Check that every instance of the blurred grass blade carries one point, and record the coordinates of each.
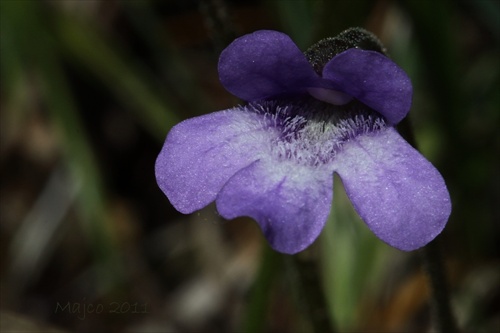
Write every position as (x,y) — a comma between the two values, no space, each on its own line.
(488,12)
(37,49)
(258,305)
(173,67)
(14,85)
(434,31)
(117,71)
(351,256)
(297,19)
(36,238)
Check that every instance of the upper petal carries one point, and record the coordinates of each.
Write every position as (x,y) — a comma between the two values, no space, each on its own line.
(398,193)
(290,202)
(202,153)
(373,79)
(264,64)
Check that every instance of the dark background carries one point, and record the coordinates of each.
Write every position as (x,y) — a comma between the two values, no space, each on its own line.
(89,90)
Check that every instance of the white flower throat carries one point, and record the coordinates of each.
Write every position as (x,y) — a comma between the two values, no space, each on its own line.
(310,132)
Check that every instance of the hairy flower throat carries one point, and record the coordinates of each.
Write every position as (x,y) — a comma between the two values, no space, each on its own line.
(311,132)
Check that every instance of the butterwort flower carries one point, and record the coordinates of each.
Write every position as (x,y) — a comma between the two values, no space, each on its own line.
(331,109)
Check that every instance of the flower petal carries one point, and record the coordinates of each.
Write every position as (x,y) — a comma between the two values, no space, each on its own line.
(264,64)
(290,202)
(398,193)
(202,153)
(373,79)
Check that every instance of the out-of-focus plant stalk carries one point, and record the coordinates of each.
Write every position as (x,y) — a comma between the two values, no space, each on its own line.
(38,49)
(433,263)
(440,302)
(258,304)
(308,281)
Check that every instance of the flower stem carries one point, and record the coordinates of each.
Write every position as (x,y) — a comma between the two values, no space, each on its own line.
(432,259)
(258,305)
(440,303)
(314,303)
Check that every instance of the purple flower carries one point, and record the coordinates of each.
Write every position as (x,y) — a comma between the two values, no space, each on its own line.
(307,117)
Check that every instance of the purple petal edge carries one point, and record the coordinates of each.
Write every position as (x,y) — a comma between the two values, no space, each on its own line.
(202,153)
(398,193)
(291,204)
(373,79)
(264,64)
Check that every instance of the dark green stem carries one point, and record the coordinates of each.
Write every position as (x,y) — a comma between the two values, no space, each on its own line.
(257,307)
(432,259)
(440,302)
(305,285)
(306,276)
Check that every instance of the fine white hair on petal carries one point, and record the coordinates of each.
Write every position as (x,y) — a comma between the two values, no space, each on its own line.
(310,132)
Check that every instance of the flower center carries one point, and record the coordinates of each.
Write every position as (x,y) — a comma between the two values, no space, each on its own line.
(311,132)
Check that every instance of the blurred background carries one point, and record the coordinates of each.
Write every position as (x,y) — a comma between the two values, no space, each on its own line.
(89,90)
